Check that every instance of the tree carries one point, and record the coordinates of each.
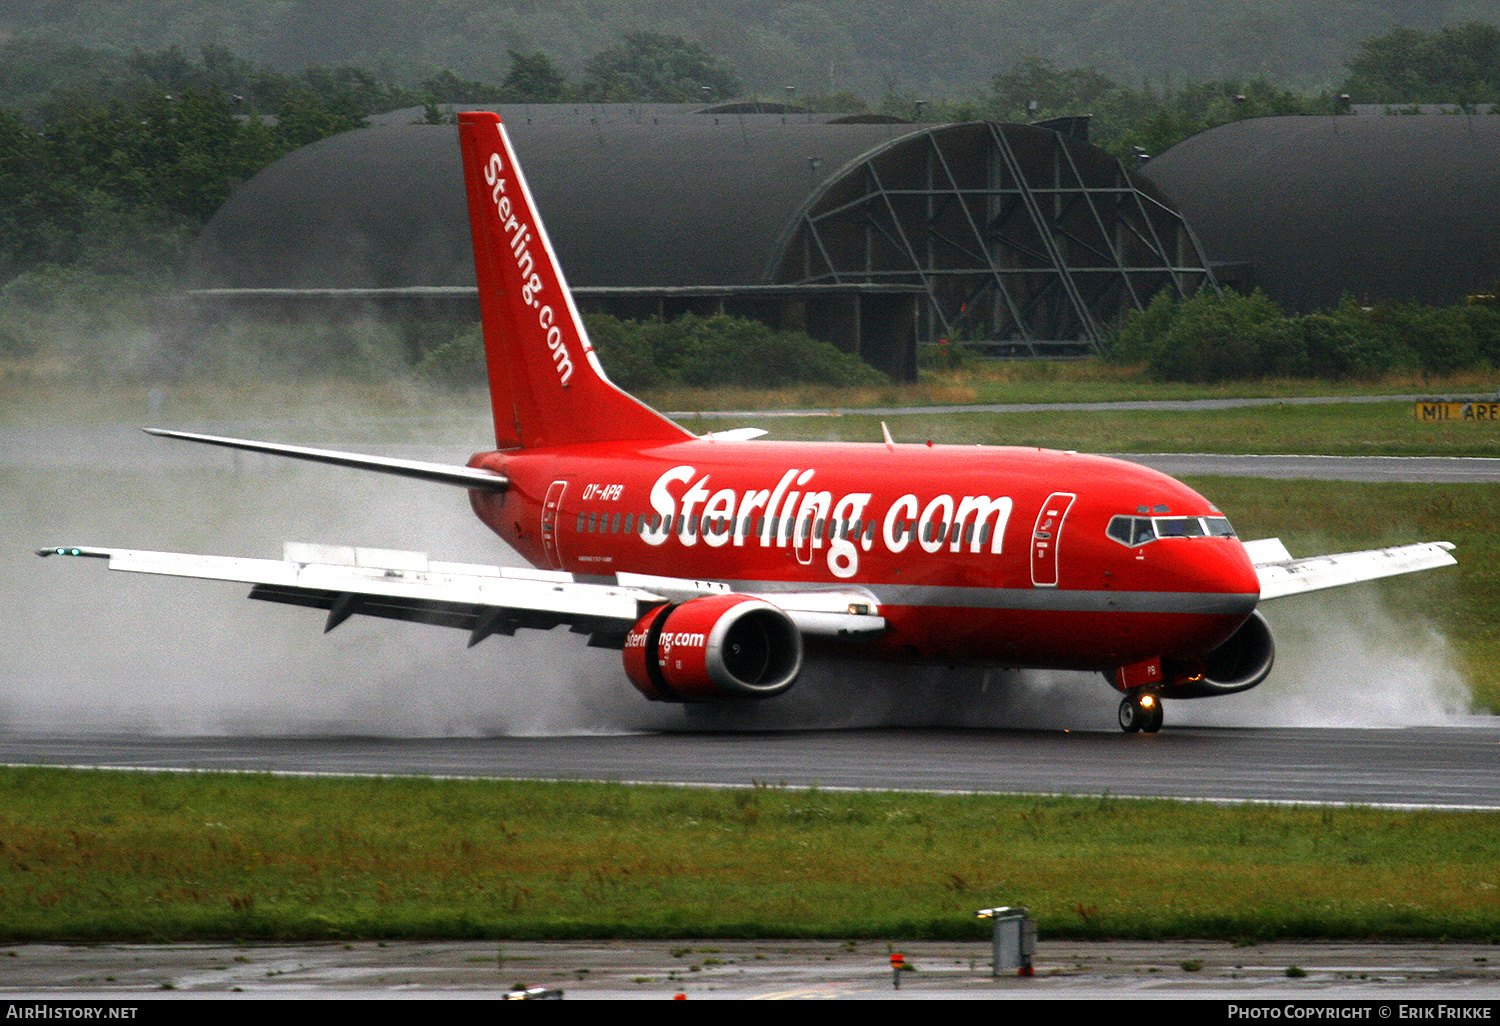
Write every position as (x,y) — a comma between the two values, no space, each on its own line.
(653,68)
(1035,87)
(1457,64)
(533,78)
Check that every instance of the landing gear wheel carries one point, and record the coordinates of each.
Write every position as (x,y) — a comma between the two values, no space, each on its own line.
(1140,712)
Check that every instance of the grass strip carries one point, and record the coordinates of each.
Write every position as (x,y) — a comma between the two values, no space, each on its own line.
(92,856)
(34,397)
(1345,429)
(1312,517)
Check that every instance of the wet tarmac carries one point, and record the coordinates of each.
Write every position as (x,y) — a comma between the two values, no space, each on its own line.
(752,969)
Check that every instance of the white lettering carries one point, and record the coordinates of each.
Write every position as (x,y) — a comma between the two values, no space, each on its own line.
(932,529)
(532,284)
(690,499)
(717,525)
(664,505)
(983,507)
(770,525)
(902,510)
(751,502)
(808,520)
(843,559)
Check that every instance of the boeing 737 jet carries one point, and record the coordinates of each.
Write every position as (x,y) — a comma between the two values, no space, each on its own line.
(712,563)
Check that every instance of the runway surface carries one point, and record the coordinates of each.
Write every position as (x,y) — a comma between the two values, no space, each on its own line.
(1459,974)
(1429,767)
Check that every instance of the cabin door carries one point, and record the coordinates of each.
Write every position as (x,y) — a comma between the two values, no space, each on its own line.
(1045,537)
(550,515)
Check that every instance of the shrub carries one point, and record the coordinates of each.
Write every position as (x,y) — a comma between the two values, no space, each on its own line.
(1142,330)
(719,350)
(1441,338)
(1216,338)
(1228,337)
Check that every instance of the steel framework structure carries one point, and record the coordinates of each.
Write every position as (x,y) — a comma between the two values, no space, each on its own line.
(1019,239)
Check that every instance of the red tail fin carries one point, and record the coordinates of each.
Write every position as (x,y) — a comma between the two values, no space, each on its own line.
(546,385)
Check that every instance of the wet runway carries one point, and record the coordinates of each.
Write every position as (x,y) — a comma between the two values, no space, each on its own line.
(762,970)
(1454,767)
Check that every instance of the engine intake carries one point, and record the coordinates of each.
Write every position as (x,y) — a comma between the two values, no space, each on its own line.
(713,649)
(1241,662)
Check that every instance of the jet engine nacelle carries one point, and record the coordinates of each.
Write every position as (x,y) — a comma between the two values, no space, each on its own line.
(713,649)
(1240,663)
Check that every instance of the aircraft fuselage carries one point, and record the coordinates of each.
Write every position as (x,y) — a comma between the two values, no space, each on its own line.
(975,554)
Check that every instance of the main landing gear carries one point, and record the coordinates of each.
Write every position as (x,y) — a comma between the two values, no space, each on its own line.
(1140,710)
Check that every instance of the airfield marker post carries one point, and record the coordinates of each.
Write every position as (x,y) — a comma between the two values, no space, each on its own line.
(1013,939)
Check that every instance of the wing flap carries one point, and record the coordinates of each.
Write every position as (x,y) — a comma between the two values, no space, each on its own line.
(483,600)
(402,585)
(1296,576)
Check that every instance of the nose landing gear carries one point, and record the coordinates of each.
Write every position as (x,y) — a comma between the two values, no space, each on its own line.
(1140,711)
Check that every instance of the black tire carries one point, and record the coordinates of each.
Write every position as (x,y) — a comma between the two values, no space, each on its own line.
(1132,717)
(1154,717)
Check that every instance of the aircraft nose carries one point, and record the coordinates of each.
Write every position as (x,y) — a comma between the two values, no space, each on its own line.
(1233,571)
(1219,566)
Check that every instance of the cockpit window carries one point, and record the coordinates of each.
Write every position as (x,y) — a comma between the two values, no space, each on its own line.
(1218,527)
(1178,527)
(1134,531)
(1131,531)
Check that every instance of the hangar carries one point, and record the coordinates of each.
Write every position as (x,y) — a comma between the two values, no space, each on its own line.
(1381,207)
(872,233)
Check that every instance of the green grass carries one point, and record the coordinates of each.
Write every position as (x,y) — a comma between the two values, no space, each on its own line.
(1362,429)
(1314,517)
(1049,381)
(27,393)
(95,856)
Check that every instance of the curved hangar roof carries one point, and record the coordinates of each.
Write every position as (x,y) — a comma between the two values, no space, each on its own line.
(1013,234)
(1390,207)
(633,201)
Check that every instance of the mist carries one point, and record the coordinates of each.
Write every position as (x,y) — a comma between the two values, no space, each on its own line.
(84,650)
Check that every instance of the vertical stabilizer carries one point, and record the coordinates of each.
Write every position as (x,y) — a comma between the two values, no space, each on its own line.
(546,385)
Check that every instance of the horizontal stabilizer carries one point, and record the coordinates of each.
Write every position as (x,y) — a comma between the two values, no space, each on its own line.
(735,435)
(442,473)
(1294,576)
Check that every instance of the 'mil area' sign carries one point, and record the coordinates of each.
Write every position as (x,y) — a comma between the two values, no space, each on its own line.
(1487,412)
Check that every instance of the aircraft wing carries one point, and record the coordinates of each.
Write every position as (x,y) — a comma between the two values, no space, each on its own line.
(481,599)
(1281,575)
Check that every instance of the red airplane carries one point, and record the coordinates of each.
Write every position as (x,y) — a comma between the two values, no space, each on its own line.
(710,561)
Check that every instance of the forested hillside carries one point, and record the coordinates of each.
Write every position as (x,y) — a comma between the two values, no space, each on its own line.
(124,126)
(945,48)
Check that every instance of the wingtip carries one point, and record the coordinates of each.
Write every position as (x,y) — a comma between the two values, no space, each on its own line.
(72,550)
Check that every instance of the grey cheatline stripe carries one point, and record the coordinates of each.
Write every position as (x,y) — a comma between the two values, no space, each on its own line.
(1045,599)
